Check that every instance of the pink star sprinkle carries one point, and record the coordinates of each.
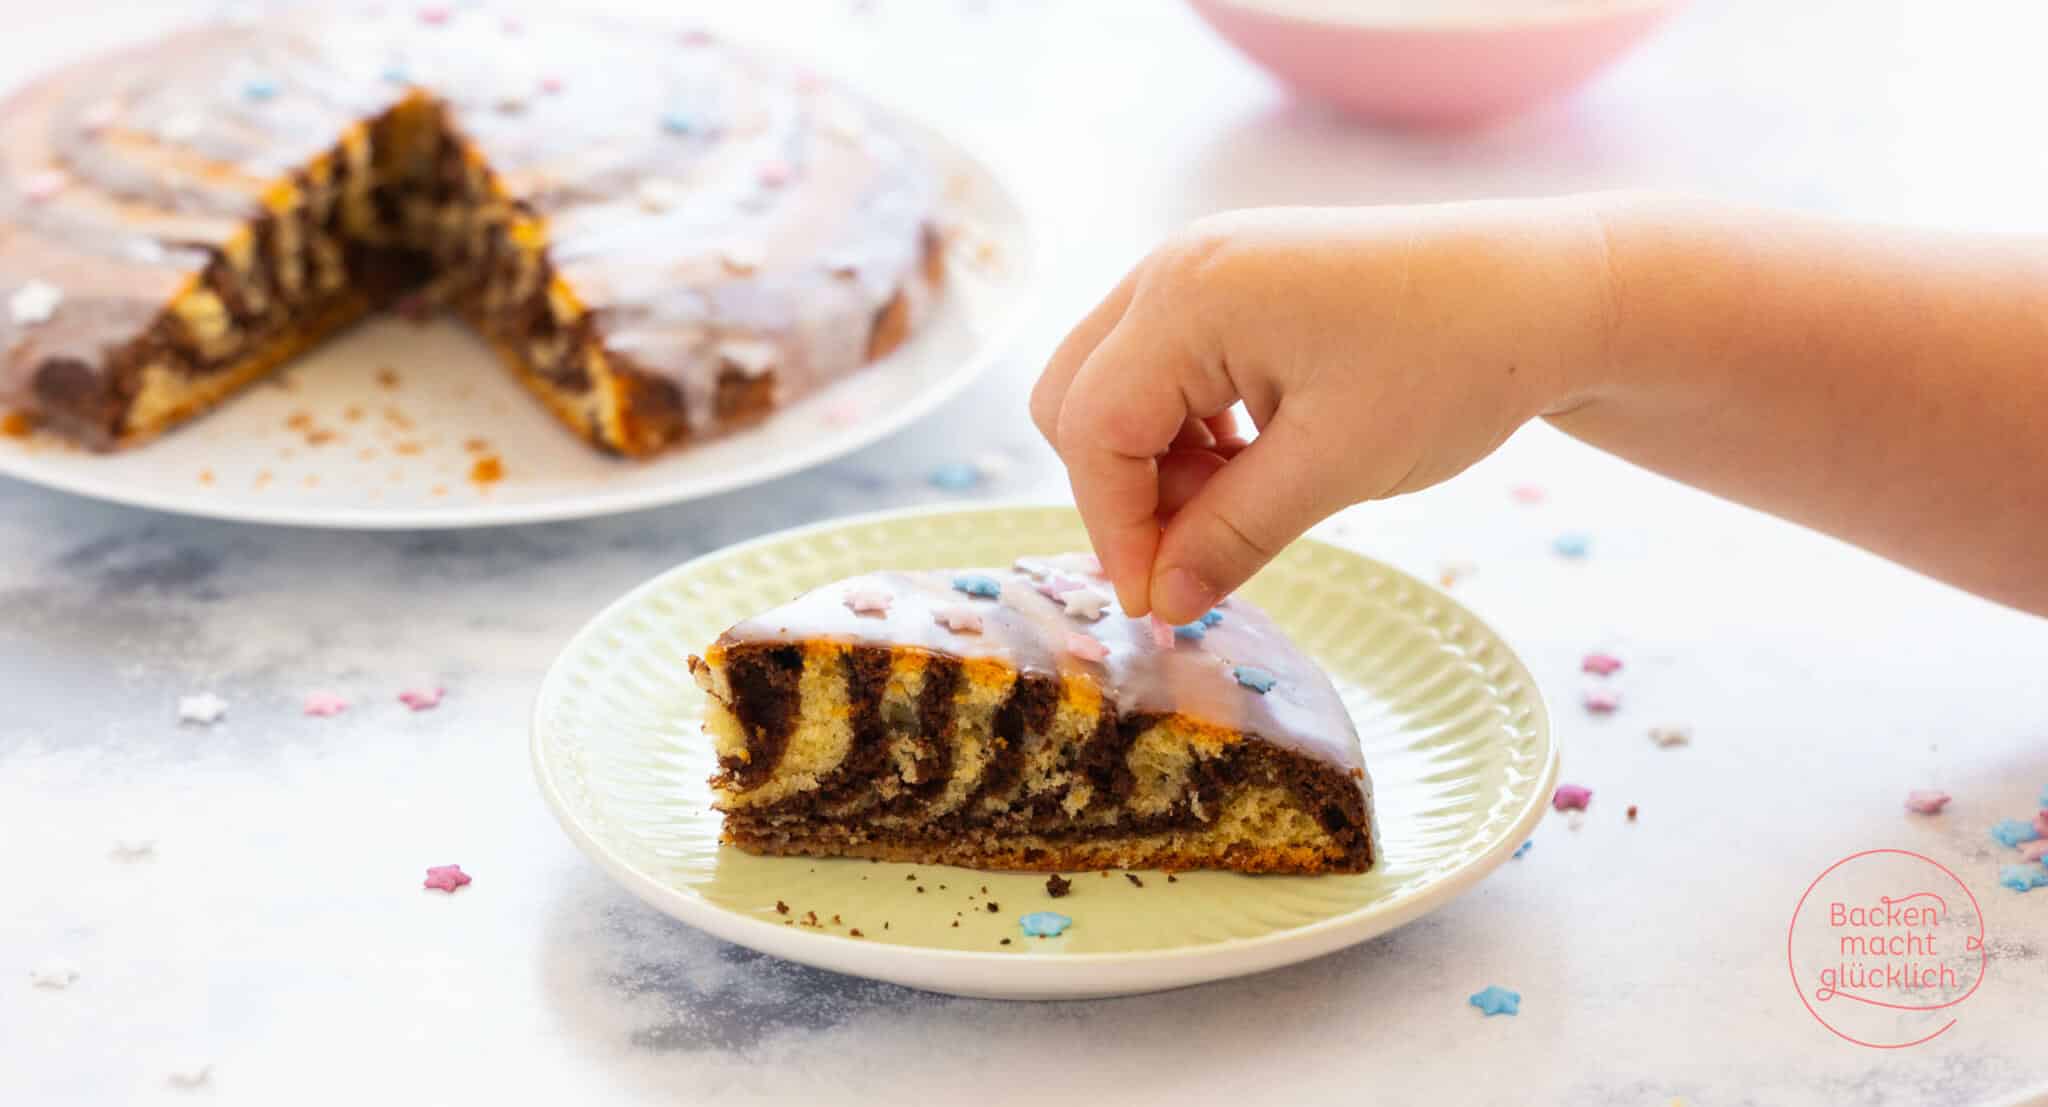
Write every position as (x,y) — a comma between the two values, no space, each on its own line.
(1601,664)
(446,878)
(324,704)
(2034,850)
(1086,647)
(774,174)
(869,601)
(1926,801)
(422,699)
(1602,701)
(1528,494)
(45,185)
(434,16)
(1160,630)
(551,85)
(1571,797)
(959,620)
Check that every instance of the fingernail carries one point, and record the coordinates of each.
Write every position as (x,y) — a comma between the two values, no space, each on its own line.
(1179,596)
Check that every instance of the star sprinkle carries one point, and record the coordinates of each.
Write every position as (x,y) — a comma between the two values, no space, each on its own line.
(773,174)
(43,186)
(1054,587)
(259,90)
(191,1076)
(203,708)
(35,302)
(1602,701)
(1037,568)
(2035,850)
(1191,632)
(1044,924)
(1211,617)
(434,15)
(55,974)
(2012,832)
(1572,544)
(1600,664)
(2023,878)
(678,122)
(871,602)
(446,878)
(959,620)
(1926,801)
(1496,1000)
(422,699)
(551,85)
(1162,634)
(974,584)
(1083,602)
(1528,493)
(1669,736)
(324,704)
(1086,647)
(1571,797)
(955,476)
(1254,678)
(397,75)
(1523,848)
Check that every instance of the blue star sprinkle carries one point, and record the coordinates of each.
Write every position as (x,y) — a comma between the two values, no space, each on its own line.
(678,122)
(397,75)
(955,476)
(1496,1000)
(1191,632)
(2023,878)
(1573,544)
(974,584)
(260,89)
(2011,832)
(1044,924)
(1524,847)
(1254,678)
(1212,616)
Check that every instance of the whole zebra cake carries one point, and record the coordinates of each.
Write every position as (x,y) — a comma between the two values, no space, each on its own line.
(1016,719)
(660,234)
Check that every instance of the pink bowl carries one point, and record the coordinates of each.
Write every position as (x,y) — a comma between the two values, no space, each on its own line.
(1441,72)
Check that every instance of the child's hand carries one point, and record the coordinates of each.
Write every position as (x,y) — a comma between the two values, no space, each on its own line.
(1378,351)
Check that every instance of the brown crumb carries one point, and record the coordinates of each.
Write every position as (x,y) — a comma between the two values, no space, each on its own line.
(1006,941)
(781,908)
(855,933)
(397,418)
(17,424)
(984,889)
(942,887)
(920,889)
(910,876)
(956,924)
(994,907)
(1631,812)
(487,470)
(387,377)
(1172,879)
(407,448)
(353,414)
(477,445)
(206,476)
(1104,874)
(299,420)
(1057,885)
(319,436)
(811,918)
(885,924)
(1133,878)
(836,922)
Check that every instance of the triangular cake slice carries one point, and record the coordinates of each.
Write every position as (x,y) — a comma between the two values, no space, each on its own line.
(1017,719)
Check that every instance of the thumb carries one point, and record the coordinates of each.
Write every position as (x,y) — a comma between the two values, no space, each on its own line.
(1271,493)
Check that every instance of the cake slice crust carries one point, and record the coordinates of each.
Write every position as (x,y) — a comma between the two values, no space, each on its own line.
(1033,736)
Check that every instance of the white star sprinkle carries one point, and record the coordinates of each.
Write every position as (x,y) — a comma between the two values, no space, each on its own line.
(1085,603)
(191,1076)
(1669,736)
(34,302)
(204,708)
(55,974)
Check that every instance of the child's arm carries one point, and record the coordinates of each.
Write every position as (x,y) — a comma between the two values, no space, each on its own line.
(1885,386)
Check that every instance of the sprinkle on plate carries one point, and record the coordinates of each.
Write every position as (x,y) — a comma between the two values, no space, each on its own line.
(1571,797)
(324,704)
(445,878)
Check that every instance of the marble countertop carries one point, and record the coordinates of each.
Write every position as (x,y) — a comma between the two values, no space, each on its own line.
(278,933)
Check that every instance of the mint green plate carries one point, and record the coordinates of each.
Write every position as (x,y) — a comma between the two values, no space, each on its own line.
(1455,737)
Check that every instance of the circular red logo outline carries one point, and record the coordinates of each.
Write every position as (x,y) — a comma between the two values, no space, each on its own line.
(1983,954)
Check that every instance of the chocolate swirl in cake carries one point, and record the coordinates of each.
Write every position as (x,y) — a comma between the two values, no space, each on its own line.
(660,233)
